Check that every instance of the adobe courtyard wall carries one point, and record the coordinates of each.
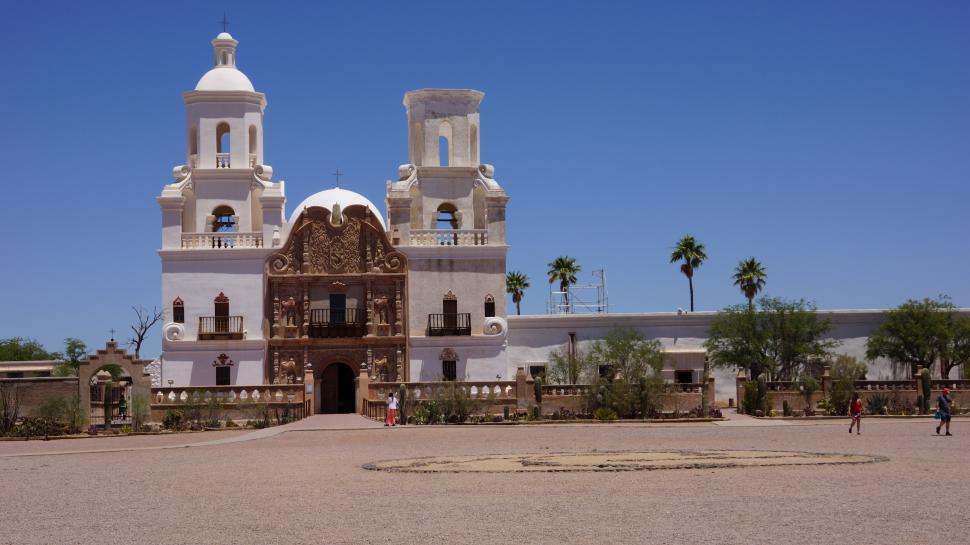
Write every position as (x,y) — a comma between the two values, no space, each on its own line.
(35,391)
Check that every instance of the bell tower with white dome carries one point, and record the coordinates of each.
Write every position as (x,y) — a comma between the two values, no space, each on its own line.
(221,217)
(446,213)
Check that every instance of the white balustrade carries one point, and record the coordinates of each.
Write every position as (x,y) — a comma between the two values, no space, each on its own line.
(227,240)
(449,237)
(222,160)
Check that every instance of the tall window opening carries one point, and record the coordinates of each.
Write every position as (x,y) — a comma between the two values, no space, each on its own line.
(338,308)
(449,307)
(223,375)
(252,145)
(443,150)
(489,306)
(449,369)
(225,220)
(446,153)
(221,320)
(222,138)
(178,311)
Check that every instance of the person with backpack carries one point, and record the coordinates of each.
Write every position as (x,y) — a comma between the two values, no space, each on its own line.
(855,411)
(943,406)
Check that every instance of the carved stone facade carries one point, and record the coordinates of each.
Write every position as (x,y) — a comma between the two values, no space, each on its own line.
(336,295)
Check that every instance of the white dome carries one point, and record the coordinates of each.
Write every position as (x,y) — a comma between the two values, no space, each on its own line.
(224,78)
(327,198)
(224,36)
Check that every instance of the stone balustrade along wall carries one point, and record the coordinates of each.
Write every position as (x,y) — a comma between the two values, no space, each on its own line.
(520,395)
(904,392)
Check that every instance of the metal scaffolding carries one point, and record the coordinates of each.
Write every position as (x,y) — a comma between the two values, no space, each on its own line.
(590,298)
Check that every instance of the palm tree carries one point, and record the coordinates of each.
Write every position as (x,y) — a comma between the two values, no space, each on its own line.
(692,253)
(564,269)
(750,276)
(516,283)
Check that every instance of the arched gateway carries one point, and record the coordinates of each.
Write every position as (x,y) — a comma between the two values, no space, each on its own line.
(335,303)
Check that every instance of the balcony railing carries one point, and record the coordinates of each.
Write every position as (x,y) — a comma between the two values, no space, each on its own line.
(206,241)
(328,323)
(449,237)
(222,160)
(440,325)
(220,327)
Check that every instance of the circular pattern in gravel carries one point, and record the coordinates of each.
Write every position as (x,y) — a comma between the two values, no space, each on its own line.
(616,461)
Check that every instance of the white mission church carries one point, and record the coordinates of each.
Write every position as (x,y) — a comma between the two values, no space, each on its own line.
(257,294)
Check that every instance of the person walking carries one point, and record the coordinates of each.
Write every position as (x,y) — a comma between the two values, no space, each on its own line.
(391,419)
(943,404)
(855,411)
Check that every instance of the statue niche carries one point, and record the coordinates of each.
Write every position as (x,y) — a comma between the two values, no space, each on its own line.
(287,372)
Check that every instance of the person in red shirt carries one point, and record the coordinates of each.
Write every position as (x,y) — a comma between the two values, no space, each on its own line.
(855,411)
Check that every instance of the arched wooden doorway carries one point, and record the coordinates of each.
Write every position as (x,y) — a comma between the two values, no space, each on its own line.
(337,389)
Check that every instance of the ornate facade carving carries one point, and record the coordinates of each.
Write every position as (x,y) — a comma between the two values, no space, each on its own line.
(319,260)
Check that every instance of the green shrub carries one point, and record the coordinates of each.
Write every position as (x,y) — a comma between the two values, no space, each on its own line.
(230,423)
(455,402)
(845,371)
(173,420)
(140,411)
(427,412)
(605,414)
(38,427)
(877,404)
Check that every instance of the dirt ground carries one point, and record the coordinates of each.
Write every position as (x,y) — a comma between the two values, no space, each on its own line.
(309,486)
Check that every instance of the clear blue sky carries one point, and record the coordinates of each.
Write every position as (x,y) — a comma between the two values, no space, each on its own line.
(827,139)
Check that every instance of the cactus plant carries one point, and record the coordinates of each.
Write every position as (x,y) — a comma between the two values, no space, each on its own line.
(925,389)
(763,393)
(538,389)
(402,398)
(785,408)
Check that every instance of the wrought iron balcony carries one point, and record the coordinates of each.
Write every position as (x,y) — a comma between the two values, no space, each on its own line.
(326,323)
(440,325)
(220,327)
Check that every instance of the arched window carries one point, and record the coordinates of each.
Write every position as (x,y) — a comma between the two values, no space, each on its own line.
(224,220)
(447,217)
(225,58)
(222,145)
(178,311)
(489,306)
(445,152)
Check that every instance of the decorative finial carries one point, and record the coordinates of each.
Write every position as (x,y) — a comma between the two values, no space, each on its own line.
(224,22)
(112,334)
(337,174)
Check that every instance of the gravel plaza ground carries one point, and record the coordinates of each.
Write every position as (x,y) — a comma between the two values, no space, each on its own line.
(305,483)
